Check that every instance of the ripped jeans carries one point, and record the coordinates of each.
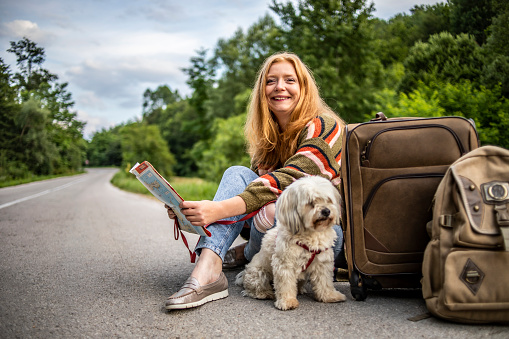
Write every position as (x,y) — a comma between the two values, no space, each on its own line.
(235,180)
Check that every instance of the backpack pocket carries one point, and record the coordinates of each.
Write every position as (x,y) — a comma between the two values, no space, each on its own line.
(476,280)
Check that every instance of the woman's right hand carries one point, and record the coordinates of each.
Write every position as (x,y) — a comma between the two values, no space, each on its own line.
(171,214)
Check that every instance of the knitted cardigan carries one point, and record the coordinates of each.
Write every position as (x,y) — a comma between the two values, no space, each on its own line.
(318,153)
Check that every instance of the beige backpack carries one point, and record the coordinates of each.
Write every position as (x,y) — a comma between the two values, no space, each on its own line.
(466,263)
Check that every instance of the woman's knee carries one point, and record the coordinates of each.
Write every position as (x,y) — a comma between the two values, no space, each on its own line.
(238,172)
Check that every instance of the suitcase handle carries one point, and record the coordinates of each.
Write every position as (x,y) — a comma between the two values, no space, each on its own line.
(379,117)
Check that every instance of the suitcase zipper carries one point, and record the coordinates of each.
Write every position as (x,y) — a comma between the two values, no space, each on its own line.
(371,195)
(367,148)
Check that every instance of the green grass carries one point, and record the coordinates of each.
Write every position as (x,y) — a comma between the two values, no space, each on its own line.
(189,188)
(32,178)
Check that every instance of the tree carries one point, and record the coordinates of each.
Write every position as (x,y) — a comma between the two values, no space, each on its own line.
(485,106)
(29,59)
(201,78)
(226,148)
(395,37)
(45,120)
(444,58)
(496,70)
(105,148)
(335,39)
(142,142)
(471,17)
(154,102)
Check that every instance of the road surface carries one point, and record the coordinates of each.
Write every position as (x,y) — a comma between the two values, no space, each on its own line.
(80,258)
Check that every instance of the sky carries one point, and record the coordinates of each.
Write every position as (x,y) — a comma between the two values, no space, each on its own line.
(111,51)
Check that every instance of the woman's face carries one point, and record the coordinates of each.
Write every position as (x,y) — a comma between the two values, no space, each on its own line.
(282,90)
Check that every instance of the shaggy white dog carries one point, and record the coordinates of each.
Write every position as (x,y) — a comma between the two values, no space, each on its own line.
(298,248)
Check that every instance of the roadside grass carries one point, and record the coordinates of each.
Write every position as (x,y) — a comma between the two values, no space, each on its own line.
(32,178)
(189,188)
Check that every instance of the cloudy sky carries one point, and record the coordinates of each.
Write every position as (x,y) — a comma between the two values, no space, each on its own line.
(111,51)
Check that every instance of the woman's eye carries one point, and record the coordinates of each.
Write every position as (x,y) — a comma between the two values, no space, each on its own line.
(290,80)
(270,81)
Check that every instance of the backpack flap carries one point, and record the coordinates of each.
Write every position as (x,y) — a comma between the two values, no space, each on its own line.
(478,221)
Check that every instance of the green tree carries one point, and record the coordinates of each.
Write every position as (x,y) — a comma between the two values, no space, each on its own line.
(155,102)
(444,58)
(496,70)
(395,37)
(336,40)
(485,106)
(46,102)
(105,148)
(227,148)
(201,78)
(142,142)
(472,17)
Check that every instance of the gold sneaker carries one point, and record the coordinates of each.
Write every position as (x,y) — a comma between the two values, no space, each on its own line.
(193,295)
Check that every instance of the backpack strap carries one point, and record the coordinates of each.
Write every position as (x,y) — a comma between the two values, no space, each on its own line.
(503,223)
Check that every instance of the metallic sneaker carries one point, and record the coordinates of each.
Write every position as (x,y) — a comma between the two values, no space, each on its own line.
(193,295)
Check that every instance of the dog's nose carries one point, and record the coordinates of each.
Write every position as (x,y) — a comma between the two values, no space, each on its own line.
(325,212)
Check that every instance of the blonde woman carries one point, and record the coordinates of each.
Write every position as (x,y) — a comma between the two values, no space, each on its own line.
(291,133)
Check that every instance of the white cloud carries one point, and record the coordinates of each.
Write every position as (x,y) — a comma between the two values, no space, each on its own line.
(17,29)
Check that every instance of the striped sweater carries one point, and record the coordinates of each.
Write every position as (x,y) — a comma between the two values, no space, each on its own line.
(318,153)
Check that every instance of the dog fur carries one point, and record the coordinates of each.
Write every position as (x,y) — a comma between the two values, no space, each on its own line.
(305,213)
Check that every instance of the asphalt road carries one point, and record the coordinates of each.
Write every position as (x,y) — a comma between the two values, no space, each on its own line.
(80,258)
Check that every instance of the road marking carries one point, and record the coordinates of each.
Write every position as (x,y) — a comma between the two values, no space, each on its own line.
(42,193)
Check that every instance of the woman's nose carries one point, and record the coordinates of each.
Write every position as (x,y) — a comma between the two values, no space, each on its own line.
(280,85)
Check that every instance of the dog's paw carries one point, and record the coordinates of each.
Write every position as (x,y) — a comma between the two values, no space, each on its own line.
(287,304)
(333,297)
(239,279)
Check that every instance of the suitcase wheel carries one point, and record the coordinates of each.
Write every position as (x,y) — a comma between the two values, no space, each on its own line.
(357,287)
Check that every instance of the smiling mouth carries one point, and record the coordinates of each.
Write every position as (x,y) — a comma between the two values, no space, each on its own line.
(280,98)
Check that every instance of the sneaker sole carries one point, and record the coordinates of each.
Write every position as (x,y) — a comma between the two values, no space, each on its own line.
(212,297)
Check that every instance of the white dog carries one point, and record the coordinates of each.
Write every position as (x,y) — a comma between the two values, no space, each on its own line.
(299,247)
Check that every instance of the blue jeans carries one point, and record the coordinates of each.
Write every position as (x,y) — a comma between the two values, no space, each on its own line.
(235,180)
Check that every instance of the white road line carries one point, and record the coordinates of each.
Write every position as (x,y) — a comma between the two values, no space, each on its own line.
(42,193)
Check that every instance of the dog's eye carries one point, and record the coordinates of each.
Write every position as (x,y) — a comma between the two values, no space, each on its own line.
(311,204)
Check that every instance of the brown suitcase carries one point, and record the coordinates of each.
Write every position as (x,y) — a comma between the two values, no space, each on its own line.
(390,171)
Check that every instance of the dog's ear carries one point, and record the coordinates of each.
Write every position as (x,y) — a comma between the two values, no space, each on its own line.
(288,210)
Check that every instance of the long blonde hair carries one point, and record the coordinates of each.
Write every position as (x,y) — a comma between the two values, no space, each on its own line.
(268,146)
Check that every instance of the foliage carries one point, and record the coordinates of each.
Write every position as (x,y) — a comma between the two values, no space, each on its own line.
(336,40)
(142,142)
(395,37)
(450,58)
(226,148)
(39,133)
(487,108)
(105,148)
(443,58)
(472,17)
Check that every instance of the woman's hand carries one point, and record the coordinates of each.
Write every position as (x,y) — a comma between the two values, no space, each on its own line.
(201,213)
(171,214)
(205,212)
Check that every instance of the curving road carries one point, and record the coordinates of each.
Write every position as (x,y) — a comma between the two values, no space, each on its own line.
(81,258)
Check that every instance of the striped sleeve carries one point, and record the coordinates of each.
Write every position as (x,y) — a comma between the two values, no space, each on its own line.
(318,153)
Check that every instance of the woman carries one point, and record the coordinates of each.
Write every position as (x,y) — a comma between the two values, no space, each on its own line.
(291,133)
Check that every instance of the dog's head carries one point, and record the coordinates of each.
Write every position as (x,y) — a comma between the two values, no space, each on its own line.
(310,203)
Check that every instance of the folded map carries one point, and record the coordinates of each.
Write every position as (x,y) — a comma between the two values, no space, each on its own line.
(163,191)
